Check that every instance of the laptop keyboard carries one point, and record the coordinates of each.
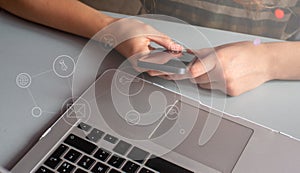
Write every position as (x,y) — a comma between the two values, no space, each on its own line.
(79,155)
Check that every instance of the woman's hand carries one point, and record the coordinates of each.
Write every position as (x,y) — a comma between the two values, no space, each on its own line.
(241,67)
(233,68)
(133,39)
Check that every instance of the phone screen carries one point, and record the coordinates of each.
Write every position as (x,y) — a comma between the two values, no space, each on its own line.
(167,61)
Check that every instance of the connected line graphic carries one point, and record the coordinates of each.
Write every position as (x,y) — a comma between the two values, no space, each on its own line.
(63,66)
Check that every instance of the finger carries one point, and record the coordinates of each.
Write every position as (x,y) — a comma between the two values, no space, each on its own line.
(213,86)
(176,76)
(205,85)
(170,77)
(159,57)
(163,77)
(203,79)
(166,42)
(199,68)
(158,73)
(202,66)
(211,76)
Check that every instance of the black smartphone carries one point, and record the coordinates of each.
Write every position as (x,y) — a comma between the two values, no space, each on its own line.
(167,61)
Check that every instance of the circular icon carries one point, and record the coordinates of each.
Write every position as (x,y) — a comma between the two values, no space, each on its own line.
(67,104)
(74,110)
(173,136)
(108,41)
(63,66)
(129,85)
(172,112)
(23,80)
(132,117)
(36,111)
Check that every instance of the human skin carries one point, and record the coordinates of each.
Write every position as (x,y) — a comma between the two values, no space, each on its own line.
(77,18)
(238,67)
(233,68)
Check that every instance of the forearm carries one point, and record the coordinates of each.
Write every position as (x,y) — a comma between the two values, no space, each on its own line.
(67,15)
(285,60)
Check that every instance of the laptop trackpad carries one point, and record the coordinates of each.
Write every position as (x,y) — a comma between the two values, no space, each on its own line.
(224,148)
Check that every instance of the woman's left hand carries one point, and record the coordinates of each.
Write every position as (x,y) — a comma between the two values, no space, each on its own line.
(232,68)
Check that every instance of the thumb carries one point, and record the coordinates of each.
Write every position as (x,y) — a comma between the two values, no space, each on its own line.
(203,65)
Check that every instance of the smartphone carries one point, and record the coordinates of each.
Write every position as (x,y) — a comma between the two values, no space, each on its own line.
(167,61)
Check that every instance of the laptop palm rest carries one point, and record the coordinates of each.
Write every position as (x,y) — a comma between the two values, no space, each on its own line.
(221,152)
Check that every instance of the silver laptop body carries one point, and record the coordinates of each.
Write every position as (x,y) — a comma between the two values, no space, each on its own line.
(91,136)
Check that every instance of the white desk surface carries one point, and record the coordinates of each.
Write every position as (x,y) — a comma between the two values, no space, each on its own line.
(31,48)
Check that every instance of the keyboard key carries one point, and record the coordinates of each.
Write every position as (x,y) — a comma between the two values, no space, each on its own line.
(110,138)
(52,162)
(80,144)
(114,171)
(137,154)
(100,168)
(66,168)
(84,127)
(43,169)
(122,147)
(164,166)
(60,151)
(80,171)
(144,170)
(130,167)
(116,161)
(86,162)
(95,135)
(102,154)
(72,155)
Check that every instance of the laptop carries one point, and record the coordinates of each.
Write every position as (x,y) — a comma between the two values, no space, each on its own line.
(101,133)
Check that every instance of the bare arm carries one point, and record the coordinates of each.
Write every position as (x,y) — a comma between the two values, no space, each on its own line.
(75,17)
(67,15)
(285,60)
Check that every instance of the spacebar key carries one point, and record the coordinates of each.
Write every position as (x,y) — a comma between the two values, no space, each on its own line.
(164,166)
(80,144)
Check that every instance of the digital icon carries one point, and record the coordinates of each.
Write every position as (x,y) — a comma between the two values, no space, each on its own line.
(123,100)
(23,80)
(125,80)
(172,112)
(63,66)
(129,85)
(80,109)
(36,111)
(132,117)
(109,41)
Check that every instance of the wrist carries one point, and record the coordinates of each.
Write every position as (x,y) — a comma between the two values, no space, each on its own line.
(284,62)
(101,21)
(272,64)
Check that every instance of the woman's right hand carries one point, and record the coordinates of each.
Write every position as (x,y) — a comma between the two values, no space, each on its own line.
(134,38)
